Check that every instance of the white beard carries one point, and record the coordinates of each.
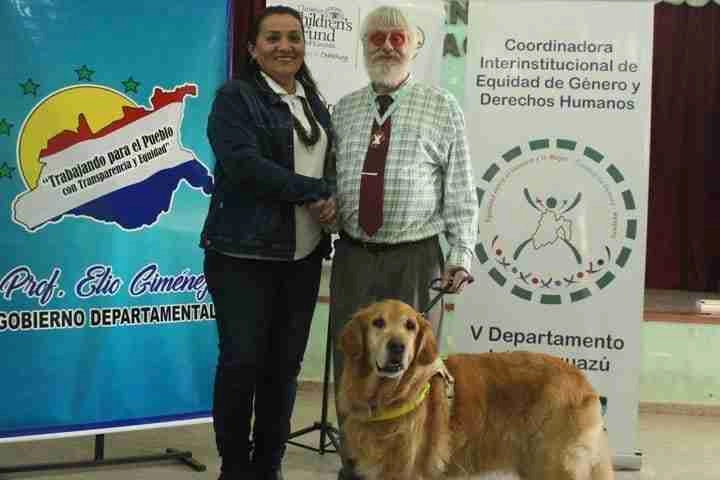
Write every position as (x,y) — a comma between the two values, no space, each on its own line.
(386,74)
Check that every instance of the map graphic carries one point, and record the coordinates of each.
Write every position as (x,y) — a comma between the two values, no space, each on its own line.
(90,151)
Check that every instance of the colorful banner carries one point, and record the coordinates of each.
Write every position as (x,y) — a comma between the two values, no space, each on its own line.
(559,115)
(334,49)
(106,323)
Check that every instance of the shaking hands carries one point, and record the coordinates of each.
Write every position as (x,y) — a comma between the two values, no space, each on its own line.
(324,211)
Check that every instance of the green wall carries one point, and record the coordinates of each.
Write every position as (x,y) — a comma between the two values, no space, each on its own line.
(680,363)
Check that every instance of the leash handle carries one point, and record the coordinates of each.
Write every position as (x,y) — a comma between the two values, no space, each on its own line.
(436,284)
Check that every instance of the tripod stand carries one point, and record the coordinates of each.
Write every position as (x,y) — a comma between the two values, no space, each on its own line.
(329,435)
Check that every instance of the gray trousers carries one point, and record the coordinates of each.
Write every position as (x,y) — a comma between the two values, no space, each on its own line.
(361,276)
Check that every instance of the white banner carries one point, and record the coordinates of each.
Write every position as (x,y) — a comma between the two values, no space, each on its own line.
(558,111)
(334,49)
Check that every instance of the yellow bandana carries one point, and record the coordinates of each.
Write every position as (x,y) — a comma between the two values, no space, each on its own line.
(401,410)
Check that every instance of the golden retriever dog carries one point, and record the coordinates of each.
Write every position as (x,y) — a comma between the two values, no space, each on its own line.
(527,414)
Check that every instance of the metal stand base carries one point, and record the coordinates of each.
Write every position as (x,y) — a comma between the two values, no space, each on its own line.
(101,461)
(329,435)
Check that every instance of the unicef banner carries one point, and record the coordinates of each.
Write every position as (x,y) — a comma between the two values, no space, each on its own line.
(105,319)
(334,49)
(559,111)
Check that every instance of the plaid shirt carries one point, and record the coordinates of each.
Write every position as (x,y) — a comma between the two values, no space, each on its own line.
(429,186)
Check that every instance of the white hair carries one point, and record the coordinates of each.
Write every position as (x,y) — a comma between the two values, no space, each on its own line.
(388,18)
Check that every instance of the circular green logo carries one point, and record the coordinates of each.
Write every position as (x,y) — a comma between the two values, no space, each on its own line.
(557,221)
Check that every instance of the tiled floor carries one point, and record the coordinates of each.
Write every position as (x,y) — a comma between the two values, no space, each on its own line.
(674,448)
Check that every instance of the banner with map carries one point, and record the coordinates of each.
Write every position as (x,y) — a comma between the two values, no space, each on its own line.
(105,173)
(559,111)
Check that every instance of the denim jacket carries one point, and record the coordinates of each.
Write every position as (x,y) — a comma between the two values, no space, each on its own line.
(256,188)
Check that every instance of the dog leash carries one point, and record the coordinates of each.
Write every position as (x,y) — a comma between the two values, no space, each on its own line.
(436,285)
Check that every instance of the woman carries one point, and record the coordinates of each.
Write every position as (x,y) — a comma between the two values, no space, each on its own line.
(263,240)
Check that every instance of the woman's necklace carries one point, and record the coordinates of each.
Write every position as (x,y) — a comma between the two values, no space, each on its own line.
(307,139)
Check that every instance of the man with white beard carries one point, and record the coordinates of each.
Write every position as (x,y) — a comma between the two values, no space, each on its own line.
(404,178)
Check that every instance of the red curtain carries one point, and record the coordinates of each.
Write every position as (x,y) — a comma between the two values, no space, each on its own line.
(242,14)
(684,218)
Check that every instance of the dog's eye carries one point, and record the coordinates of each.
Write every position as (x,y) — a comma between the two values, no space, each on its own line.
(410,325)
(379,322)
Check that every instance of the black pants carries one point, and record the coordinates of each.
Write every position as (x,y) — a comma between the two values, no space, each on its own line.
(263,314)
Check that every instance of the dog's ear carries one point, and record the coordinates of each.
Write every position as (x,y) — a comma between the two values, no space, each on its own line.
(352,338)
(426,349)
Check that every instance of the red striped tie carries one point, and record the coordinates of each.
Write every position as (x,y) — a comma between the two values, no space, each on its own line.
(372,179)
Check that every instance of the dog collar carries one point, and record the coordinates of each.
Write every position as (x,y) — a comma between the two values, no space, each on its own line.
(405,408)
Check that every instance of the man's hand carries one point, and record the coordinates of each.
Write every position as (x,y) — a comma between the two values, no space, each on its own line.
(324,211)
(455,278)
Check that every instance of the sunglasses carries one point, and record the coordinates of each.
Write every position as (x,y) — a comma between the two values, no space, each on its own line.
(398,38)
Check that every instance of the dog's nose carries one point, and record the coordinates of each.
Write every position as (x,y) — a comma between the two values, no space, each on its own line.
(395,347)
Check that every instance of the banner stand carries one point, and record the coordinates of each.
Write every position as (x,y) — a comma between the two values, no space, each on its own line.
(100,460)
(561,162)
(100,341)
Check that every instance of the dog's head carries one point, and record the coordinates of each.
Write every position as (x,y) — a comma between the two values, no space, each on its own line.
(387,337)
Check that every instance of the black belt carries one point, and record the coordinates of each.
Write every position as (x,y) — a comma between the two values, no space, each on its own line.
(375,247)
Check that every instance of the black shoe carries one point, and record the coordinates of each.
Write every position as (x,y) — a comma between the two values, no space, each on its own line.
(268,467)
(347,474)
(238,475)
(271,475)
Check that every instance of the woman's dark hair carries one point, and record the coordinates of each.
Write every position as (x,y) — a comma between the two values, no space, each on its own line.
(249,68)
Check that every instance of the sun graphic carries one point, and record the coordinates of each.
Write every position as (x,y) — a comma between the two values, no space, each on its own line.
(60,111)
